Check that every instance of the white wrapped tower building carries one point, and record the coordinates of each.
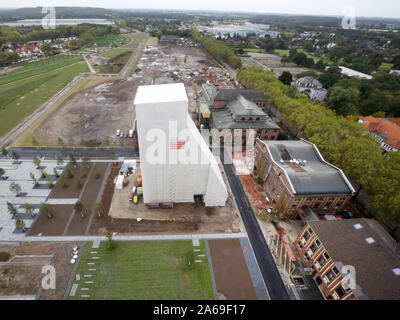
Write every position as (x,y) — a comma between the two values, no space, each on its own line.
(176,162)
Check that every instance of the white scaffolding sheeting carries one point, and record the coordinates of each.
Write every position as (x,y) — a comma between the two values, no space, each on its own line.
(176,162)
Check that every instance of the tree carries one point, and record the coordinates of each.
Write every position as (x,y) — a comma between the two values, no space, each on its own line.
(2,172)
(96,172)
(79,208)
(78,182)
(4,152)
(110,243)
(72,160)
(29,209)
(37,162)
(69,173)
(15,188)
(86,162)
(46,48)
(50,183)
(343,101)
(56,174)
(286,78)
(35,182)
(63,182)
(15,155)
(60,161)
(47,210)
(98,209)
(12,209)
(281,205)
(19,224)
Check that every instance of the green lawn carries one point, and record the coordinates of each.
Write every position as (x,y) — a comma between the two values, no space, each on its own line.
(152,41)
(40,63)
(282,52)
(144,271)
(385,66)
(113,39)
(20,99)
(114,52)
(37,70)
(254,50)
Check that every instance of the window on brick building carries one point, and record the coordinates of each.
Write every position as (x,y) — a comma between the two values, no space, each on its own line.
(318,280)
(314,248)
(335,270)
(321,261)
(326,256)
(330,275)
(306,236)
(318,243)
(340,292)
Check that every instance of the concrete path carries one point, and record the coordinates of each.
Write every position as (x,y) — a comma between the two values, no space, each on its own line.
(136,237)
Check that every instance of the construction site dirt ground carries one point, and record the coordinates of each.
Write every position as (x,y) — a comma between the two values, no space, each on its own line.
(92,116)
(123,214)
(22,275)
(232,277)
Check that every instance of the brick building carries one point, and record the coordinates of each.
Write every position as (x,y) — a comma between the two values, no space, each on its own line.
(326,247)
(297,171)
(386,131)
(245,115)
(222,97)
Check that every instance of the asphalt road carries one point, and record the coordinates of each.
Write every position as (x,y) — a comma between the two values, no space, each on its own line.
(273,281)
(52,153)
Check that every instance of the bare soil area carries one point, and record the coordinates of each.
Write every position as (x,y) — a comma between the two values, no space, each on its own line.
(232,277)
(79,224)
(91,117)
(25,279)
(54,226)
(72,190)
(121,215)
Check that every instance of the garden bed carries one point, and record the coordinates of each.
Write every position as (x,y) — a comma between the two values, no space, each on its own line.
(52,226)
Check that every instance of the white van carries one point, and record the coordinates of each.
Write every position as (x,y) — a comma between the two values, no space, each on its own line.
(131,133)
(118,133)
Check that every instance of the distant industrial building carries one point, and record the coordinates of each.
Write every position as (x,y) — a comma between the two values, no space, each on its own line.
(353,73)
(312,87)
(241,30)
(176,162)
(296,171)
(386,131)
(330,248)
(169,39)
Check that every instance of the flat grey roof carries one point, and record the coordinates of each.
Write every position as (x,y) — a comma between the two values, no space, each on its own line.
(222,119)
(230,94)
(316,177)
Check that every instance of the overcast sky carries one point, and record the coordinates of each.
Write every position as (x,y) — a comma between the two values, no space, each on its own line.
(365,8)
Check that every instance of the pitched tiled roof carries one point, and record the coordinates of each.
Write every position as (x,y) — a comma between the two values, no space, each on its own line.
(374,262)
(388,128)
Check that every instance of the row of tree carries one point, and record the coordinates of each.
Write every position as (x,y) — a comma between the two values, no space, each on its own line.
(218,49)
(342,141)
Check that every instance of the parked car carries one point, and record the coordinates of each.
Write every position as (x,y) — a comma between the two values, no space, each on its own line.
(131,133)
(118,133)
(135,199)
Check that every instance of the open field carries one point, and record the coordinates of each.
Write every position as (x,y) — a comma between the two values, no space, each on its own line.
(143,271)
(115,64)
(21,98)
(114,52)
(272,62)
(92,116)
(36,71)
(25,140)
(114,40)
(36,64)
(152,41)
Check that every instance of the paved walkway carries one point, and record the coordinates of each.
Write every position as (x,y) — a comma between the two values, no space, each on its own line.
(137,237)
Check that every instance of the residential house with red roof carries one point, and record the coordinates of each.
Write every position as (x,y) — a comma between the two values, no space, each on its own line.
(386,131)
